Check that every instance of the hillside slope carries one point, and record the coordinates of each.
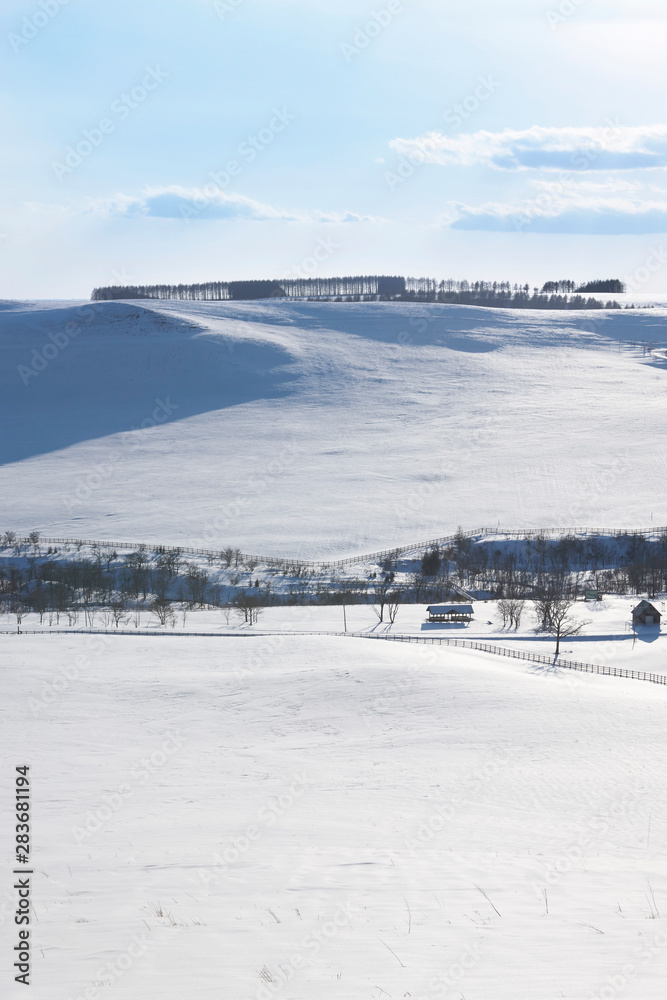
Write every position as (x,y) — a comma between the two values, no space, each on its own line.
(313,428)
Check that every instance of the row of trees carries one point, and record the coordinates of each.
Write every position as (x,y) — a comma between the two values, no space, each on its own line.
(216,291)
(501,294)
(55,583)
(524,300)
(89,588)
(559,286)
(552,615)
(629,563)
(613,285)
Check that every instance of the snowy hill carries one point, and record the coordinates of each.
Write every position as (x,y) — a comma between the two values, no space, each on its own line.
(277,813)
(309,429)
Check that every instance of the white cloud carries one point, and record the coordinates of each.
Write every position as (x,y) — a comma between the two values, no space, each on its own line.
(176,202)
(192,204)
(609,147)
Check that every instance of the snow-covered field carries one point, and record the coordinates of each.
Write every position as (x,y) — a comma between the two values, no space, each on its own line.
(213,818)
(273,813)
(308,429)
(607,636)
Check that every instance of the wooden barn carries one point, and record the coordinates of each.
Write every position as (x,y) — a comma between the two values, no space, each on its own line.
(645,614)
(450,613)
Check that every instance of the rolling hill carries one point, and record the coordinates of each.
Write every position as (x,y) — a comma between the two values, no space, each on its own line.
(311,429)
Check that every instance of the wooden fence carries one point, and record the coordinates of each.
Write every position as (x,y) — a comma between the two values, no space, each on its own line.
(369,557)
(482,647)
(517,654)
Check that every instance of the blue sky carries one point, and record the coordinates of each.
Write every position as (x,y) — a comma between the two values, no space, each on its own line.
(195,140)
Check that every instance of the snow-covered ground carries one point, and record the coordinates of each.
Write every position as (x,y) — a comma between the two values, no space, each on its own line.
(314,816)
(310,429)
(607,636)
(364,820)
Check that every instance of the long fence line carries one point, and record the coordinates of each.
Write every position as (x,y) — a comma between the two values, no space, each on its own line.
(516,654)
(369,557)
(482,647)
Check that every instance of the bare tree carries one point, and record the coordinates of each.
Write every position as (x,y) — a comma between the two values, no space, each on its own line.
(197,584)
(88,612)
(390,561)
(118,613)
(108,557)
(160,583)
(32,558)
(511,611)
(516,610)
(248,607)
(393,604)
(553,616)
(162,610)
(503,612)
(418,583)
(227,611)
(381,591)
(40,602)
(169,562)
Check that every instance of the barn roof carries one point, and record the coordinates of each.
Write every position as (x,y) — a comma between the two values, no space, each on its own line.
(644,606)
(450,609)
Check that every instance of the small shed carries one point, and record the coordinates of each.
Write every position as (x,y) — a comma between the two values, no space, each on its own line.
(645,614)
(450,613)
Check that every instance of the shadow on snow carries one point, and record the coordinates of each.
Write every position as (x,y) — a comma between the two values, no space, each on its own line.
(123,369)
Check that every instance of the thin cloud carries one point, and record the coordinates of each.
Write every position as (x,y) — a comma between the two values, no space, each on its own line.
(612,147)
(575,222)
(613,206)
(193,204)
(609,208)
(345,217)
